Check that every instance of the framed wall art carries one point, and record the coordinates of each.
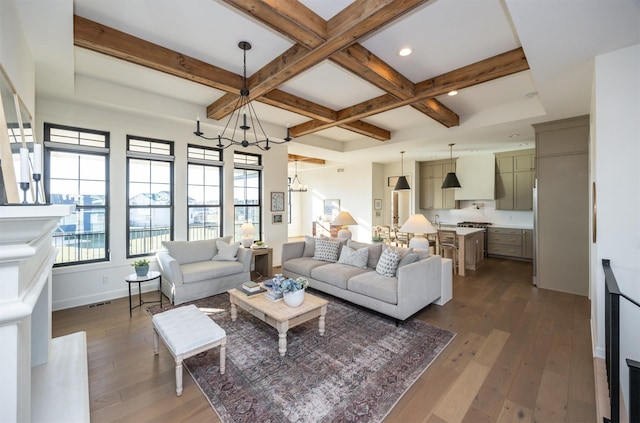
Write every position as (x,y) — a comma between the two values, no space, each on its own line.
(377,204)
(277,218)
(331,208)
(277,201)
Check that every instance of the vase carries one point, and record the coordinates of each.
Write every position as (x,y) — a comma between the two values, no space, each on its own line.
(142,270)
(294,299)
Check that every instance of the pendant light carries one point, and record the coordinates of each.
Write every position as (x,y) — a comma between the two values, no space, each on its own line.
(451,180)
(295,185)
(402,183)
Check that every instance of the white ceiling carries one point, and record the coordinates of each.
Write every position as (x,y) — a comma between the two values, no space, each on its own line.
(560,39)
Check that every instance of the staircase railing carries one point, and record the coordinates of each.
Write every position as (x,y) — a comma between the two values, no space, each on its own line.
(612,345)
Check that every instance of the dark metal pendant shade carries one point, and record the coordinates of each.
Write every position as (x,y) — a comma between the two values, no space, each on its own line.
(451,181)
(402,184)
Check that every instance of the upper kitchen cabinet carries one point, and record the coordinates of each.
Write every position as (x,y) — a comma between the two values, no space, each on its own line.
(515,176)
(432,196)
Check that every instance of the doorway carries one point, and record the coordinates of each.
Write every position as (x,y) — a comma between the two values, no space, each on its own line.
(400,206)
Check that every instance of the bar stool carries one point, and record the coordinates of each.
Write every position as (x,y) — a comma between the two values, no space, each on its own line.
(448,241)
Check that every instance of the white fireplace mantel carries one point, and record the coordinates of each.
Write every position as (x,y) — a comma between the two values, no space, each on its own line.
(30,361)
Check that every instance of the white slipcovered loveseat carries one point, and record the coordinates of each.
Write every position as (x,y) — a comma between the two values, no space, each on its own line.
(197,269)
(416,281)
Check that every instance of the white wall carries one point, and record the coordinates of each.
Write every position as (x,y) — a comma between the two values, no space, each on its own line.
(15,56)
(86,284)
(351,184)
(615,158)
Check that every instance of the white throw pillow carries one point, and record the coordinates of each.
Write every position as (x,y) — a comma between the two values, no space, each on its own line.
(326,250)
(353,257)
(388,262)
(226,252)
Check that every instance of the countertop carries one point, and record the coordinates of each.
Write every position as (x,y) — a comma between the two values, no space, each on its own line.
(467,231)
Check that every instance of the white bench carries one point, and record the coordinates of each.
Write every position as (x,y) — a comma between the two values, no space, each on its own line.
(186,331)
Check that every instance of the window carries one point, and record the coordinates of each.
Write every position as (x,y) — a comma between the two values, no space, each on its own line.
(149,195)
(76,172)
(204,197)
(247,189)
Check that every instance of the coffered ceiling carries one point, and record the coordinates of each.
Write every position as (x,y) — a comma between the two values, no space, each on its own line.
(331,69)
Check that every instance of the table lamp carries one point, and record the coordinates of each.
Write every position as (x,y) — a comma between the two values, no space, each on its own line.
(418,224)
(344,219)
(248,232)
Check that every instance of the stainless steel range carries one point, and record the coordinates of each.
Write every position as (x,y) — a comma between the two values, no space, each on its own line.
(483,225)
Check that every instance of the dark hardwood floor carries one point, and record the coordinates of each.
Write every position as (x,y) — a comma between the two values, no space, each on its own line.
(521,354)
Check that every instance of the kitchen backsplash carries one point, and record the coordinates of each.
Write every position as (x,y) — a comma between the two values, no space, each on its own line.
(481,211)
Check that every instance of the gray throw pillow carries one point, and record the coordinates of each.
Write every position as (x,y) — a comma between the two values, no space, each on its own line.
(374,251)
(352,257)
(309,246)
(408,259)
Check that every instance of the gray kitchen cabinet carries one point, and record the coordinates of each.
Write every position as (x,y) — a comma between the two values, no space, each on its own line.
(527,244)
(432,196)
(515,175)
(510,242)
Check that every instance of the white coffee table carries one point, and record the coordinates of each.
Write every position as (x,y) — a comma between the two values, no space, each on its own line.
(279,315)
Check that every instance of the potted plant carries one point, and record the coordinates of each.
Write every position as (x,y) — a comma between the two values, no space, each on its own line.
(141,266)
(293,291)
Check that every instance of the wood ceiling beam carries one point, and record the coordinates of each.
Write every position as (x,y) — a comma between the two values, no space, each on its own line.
(103,39)
(304,27)
(504,64)
(305,159)
(106,40)
(292,103)
(360,18)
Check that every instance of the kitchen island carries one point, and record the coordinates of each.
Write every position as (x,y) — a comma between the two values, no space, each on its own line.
(470,248)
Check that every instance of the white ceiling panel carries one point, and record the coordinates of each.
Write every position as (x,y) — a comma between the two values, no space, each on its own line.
(203,29)
(444,35)
(331,86)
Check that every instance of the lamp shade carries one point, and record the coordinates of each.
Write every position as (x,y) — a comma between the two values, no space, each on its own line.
(418,224)
(344,219)
(247,228)
(402,184)
(451,181)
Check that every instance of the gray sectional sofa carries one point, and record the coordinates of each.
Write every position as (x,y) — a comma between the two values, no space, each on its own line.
(417,282)
(196,269)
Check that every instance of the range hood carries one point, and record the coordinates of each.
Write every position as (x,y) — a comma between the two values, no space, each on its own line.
(477,175)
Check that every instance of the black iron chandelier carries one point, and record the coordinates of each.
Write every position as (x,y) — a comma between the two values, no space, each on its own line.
(295,185)
(243,109)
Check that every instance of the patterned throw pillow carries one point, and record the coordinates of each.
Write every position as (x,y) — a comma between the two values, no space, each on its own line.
(326,250)
(388,262)
(353,257)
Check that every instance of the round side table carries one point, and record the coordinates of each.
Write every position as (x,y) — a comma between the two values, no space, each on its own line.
(133,278)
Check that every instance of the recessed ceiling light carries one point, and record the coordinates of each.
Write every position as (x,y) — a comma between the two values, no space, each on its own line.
(522,144)
(405,51)
(452,93)
(514,135)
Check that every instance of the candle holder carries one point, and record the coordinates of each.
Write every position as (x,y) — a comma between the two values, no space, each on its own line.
(36,179)
(24,186)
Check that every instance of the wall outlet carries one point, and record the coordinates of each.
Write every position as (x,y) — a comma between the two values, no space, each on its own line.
(105,279)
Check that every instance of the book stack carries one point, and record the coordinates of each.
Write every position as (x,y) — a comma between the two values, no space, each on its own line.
(251,288)
(273,295)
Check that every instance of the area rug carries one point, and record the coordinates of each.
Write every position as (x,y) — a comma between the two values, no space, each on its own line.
(357,371)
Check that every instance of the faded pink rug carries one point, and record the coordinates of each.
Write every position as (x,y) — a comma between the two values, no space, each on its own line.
(357,371)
